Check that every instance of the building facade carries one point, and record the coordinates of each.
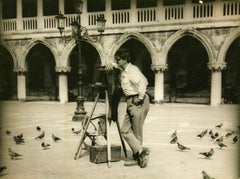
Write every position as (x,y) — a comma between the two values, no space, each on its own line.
(189,51)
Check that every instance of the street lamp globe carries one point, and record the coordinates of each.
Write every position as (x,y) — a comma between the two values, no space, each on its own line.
(61,20)
(101,22)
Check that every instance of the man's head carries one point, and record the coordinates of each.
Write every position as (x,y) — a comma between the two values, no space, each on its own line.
(122,57)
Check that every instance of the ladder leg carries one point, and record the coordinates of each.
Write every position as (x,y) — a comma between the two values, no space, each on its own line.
(107,129)
(121,138)
(86,124)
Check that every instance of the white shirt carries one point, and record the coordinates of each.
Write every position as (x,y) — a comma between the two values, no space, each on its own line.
(133,82)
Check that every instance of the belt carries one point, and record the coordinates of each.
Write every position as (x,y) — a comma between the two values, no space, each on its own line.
(131,96)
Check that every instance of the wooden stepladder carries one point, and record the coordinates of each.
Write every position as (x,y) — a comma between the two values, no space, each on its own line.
(89,119)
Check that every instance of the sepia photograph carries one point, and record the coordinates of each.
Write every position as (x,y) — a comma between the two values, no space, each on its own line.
(115,89)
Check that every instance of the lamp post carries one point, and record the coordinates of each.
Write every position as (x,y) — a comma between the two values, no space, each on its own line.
(77,29)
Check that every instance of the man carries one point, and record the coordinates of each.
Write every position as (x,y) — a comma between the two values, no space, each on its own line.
(133,84)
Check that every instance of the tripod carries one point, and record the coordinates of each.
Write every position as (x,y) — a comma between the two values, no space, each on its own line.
(89,118)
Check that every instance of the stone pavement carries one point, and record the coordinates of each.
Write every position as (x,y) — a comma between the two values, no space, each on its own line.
(166,161)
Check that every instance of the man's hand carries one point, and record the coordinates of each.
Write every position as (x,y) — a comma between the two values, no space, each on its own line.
(137,101)
(110,65)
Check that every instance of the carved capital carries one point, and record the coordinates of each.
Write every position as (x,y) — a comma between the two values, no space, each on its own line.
(62,69)
(20,70)
(159,68)
(217,66)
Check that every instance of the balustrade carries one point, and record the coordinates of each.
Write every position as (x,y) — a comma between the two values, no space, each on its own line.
(174,12)
(198,12)
(231,8)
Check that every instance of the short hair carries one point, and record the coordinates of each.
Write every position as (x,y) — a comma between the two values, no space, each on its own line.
(123,53)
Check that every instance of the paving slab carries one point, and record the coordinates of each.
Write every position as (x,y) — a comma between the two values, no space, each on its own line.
(166,161)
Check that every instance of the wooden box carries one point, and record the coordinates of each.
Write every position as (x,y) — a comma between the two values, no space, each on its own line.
(98,153)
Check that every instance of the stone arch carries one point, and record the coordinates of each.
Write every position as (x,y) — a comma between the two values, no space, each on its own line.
(8,79)
(229,40)
(32,44)
(190,32)
(92,56)
(70,46)
(12,53)
(125,37)
(144,64)
(41,78)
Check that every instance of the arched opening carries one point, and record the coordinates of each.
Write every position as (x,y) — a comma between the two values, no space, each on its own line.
(231,76)
(187,79)
(141,57)
(8,81)
(41,76)
(90,74)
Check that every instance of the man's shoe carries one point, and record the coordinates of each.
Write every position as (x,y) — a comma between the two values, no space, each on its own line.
(131,162)
(144,157)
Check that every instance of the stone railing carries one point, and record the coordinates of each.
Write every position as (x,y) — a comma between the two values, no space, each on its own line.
(169,17)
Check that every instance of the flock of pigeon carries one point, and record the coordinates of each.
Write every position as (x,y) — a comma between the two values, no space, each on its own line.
(216,137)
(19,139)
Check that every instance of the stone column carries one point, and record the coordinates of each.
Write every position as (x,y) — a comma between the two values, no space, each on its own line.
(63,83)
(133,7)
(159,82)
(19,15)
(21,83)
(108,11)
(216,82)
(61,6)
(40,18)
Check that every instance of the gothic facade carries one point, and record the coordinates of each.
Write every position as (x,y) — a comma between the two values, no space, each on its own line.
(189,52)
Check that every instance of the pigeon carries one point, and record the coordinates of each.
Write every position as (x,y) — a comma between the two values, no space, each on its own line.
(203,133)
(77,132)
(38,128)
(18,140)
(229,133)
(207,154)
(20,136)
(8,132)
(41,136)
(213,137)
(73,129)
(13,155)
(55,138)
(220,139)
(45,145)
(221,145)
(174,140)
(2,168)
(174,134)
(216,134)
(206,176)
(200,135)
(210,132)
(235,139)
(182,147)
(219,125)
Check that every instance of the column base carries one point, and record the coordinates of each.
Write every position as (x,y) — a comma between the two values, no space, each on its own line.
(22,100)
(158,101)
(79,116)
